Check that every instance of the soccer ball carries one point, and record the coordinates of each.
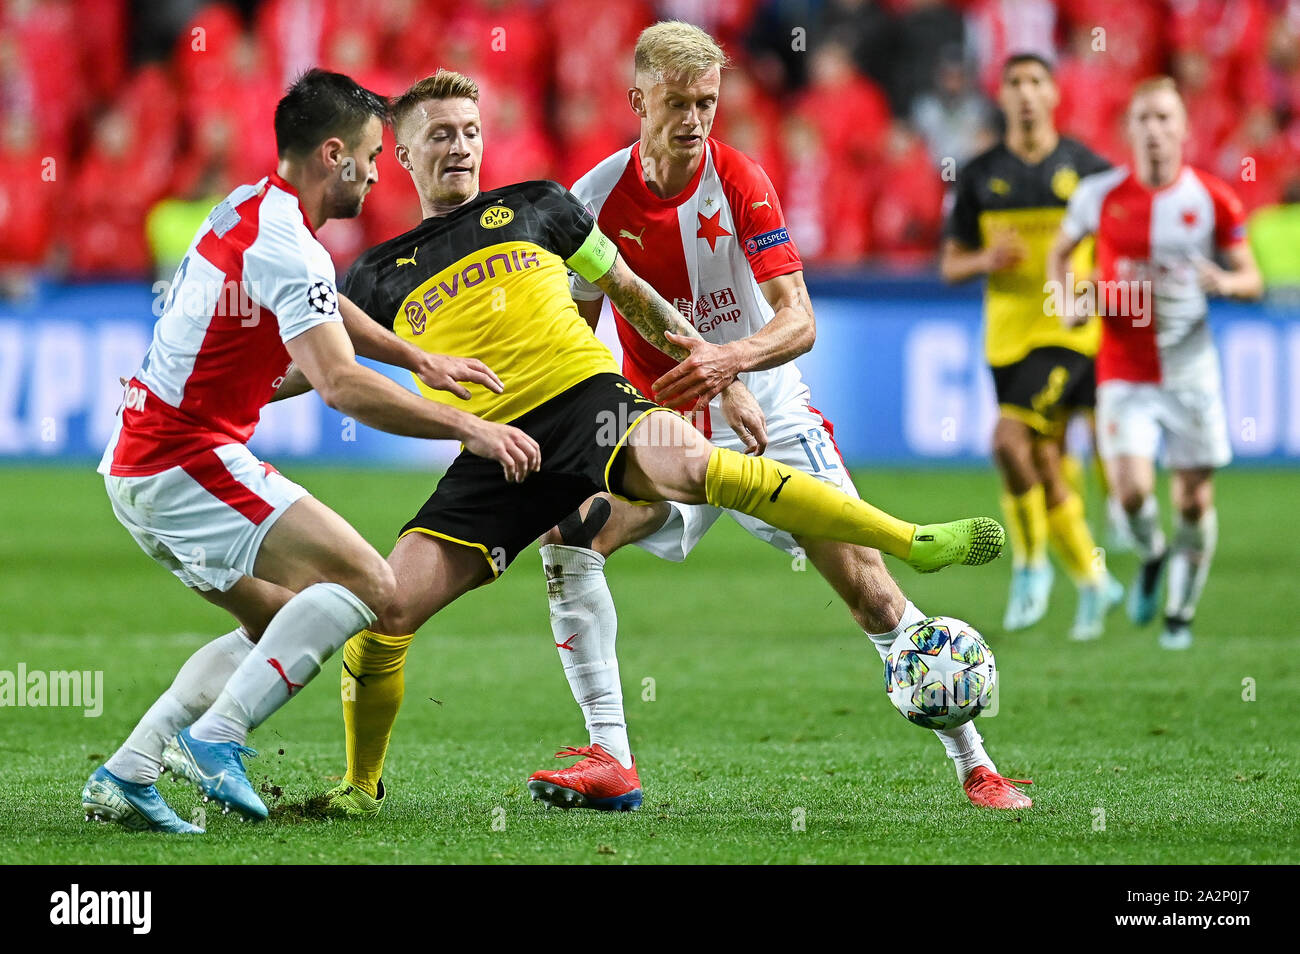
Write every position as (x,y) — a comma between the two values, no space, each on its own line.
(940,673)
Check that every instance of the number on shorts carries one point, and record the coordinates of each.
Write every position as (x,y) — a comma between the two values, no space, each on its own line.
(816,442)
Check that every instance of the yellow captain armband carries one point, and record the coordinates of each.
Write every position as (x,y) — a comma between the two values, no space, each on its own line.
(594,257)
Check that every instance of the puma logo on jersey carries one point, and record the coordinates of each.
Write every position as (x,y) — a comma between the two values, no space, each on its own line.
(624,233)
(411,260)
(759,205)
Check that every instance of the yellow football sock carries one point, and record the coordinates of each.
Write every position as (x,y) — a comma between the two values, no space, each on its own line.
(373,686)
(1027,525)
(1073,541)
(1072,471)
(791,500)
(1099,471)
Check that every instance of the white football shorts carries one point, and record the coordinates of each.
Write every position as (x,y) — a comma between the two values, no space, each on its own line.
(1132,417)
(206,519)
(812,451)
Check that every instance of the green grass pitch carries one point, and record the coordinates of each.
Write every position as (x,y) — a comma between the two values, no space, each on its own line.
(767,737)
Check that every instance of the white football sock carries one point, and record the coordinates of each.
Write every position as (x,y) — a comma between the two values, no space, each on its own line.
(1189,563)
(882,641)
(1148,538)
(304,633)
(963,744)
(195,687)
(585,626)
(966,749)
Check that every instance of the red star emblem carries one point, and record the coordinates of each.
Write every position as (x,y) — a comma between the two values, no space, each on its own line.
(710,229)
(1189,217)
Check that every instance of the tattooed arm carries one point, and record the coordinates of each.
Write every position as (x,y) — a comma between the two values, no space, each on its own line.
(646,310)
(663,326)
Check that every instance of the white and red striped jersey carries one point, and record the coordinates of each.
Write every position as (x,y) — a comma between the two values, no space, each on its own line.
(705,250)
(1155,238)
(254,277)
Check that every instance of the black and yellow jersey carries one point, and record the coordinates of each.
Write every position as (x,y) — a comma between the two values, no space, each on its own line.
(489,281)
(998,191)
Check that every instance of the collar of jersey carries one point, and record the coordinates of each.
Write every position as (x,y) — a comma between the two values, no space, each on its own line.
(1156,190)
(672,201)
(283,185)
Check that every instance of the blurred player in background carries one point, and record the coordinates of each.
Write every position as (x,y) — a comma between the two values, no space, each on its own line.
(1159,227)
(702,223)
(487,270)
(1007,206)
(254,293)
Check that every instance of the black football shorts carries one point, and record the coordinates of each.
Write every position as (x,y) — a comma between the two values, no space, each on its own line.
(1045,386)
(581,433)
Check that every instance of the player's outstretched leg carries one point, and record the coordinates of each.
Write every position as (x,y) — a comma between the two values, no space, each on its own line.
(675,462)
(1133,480)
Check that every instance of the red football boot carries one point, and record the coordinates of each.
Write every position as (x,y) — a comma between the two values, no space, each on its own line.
(597,781)
(987,789)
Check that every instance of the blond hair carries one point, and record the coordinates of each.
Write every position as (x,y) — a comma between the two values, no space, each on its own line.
(1156,84)
(444,84)
(672,47)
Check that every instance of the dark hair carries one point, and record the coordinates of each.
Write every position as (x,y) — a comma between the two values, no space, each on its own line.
(1015,59)
(320,105)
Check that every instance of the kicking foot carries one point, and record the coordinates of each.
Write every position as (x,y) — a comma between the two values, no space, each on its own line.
(971,542)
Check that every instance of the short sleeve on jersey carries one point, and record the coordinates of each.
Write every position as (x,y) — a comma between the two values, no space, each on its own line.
(359,285)
(1229,213)
(290,273)
(568,224)
(963,223)
(760,223)
(1083,212)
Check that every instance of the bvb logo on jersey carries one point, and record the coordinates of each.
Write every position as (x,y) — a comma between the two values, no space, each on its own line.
(999,186)
(1064,180)
(495,217)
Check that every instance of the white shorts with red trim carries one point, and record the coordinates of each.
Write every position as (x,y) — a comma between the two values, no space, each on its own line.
(1132,416)
(812,451)
(205,519)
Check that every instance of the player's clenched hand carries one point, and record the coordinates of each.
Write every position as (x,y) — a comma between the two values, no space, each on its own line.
(516,452)
(742,413)
(700,377)
(444,373)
